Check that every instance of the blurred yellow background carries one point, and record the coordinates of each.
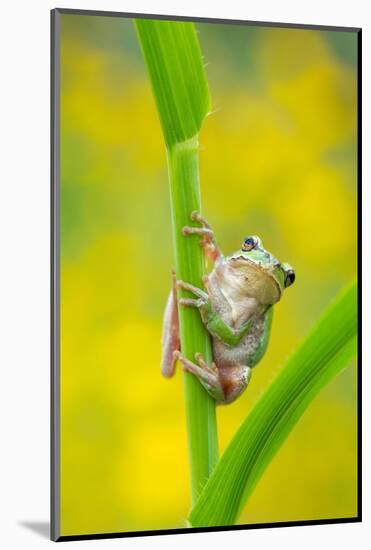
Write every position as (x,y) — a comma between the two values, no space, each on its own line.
(278,159)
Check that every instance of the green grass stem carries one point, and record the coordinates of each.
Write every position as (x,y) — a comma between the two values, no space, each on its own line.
(173,58)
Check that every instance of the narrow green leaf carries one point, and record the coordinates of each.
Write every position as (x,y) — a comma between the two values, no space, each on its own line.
(173,57)
(172,54)
(329,348)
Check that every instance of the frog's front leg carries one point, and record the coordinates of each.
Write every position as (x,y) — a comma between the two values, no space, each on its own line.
(208,241)
(208,376)
(214,323)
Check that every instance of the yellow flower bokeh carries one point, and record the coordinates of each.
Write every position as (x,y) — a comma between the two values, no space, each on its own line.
(278,159)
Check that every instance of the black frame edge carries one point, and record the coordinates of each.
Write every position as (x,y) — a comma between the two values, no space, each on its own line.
(359,269)
(72,11)
(54,282)
(130,534)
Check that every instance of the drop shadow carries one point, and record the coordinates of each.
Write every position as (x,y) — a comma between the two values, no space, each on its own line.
(42,528)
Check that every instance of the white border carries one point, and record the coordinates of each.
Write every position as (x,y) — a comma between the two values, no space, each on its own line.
(24,273)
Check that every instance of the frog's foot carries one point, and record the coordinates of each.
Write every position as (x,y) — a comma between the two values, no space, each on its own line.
(205,232)
(208,241)
(189,302)
(201,294)
(208,376)
(197,217)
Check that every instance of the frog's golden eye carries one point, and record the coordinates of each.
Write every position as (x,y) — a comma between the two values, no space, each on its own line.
(249,243)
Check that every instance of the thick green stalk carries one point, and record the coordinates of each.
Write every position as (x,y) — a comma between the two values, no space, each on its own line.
(189,262)
(172,54)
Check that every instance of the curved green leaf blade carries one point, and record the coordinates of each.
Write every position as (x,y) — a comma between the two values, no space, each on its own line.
(172,53)
(329,348)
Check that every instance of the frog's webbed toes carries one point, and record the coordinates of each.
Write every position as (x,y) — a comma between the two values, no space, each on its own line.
(207,240)
(191,288)
(205,232)
(197,217)
(208,376)
(190,302)
(201,361)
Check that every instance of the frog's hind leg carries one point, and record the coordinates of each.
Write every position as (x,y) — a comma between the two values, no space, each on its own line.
(235,380)
(170,333)
(208,376)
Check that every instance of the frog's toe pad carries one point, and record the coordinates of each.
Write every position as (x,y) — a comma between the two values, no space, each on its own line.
(205,375)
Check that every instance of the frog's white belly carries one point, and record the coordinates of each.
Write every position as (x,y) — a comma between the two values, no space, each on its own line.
(242,307)
(226,356)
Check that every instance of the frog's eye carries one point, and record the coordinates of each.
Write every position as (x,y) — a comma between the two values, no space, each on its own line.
(249,243)
(289,277)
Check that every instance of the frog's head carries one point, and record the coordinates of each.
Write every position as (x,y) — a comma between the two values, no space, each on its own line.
(265,277)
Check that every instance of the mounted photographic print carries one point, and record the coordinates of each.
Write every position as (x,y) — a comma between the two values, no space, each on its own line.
(204,262)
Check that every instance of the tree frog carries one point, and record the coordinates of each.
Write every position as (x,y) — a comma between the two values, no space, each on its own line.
(236,307)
